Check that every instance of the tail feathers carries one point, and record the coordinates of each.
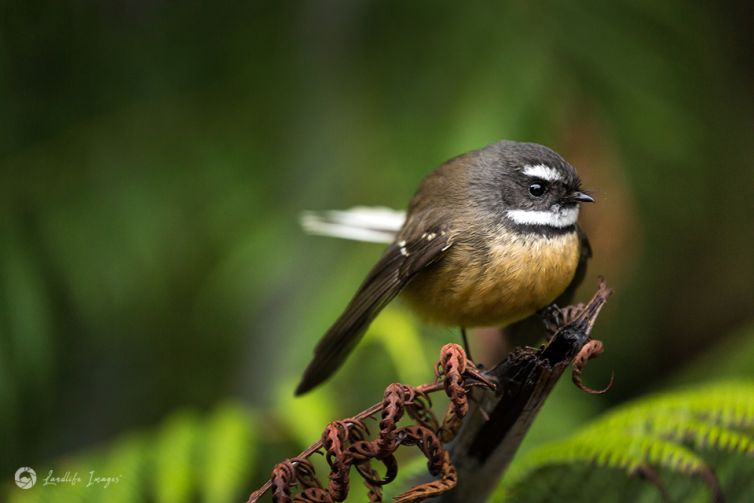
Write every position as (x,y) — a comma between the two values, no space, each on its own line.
(380,287)
(361,223)
(329,357)
(398,265)
(340,340)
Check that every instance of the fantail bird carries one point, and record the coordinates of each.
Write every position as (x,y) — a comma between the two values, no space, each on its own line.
(489,238)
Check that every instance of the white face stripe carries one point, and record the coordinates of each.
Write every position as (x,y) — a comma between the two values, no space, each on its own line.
(543,172)
(556,217)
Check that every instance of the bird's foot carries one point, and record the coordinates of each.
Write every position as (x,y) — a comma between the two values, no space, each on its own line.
(555,317)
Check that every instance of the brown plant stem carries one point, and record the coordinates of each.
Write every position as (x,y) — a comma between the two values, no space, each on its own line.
(499,420)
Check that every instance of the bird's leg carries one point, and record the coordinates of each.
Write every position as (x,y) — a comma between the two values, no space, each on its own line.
(555,317)
(570,313)
(466,344)
(552,318)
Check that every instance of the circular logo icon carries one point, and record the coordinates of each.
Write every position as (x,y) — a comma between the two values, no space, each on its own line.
(26,477)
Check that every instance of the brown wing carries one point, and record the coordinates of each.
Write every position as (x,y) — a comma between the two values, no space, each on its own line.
(400,262)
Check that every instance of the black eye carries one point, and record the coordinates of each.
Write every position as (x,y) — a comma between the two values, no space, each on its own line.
(537,189)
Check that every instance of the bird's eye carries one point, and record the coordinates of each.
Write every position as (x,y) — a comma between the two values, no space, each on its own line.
(537,189)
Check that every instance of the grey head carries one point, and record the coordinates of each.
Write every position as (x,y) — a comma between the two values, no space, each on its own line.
(526,186)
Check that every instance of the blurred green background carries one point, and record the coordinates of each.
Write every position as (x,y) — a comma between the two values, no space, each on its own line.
(158,300)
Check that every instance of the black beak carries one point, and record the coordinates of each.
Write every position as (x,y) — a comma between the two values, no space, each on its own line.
(581,197)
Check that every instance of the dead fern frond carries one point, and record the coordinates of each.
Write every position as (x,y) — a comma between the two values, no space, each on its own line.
(346,443)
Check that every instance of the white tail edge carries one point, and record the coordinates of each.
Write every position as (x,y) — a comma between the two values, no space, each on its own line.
(360,223)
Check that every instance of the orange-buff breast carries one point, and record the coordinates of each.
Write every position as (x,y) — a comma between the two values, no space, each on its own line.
(519,275)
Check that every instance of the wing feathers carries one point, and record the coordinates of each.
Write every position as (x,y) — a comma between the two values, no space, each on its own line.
(400,262)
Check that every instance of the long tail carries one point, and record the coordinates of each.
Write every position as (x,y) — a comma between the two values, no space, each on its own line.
(395,269)
(361,223)
(380,287)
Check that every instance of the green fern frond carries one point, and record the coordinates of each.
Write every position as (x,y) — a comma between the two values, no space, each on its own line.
(627,453)
(190,457)
(702,435)
(661,431)
(227,454)
(728,404)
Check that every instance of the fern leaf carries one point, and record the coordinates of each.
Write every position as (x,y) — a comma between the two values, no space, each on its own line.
(728,404)
(663,431)
(174,459)
(228,454)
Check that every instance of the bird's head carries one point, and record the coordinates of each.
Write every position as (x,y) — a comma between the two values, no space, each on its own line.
(527,185)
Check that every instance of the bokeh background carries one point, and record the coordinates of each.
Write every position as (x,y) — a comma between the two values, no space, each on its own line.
(158,299)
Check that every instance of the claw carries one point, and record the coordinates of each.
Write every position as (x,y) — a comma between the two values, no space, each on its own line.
(476,374)
(552,318)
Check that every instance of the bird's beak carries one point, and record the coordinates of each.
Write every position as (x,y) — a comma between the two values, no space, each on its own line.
(581,197)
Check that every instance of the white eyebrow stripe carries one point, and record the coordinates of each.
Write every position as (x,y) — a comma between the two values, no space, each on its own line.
(559,218)
(543,172)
